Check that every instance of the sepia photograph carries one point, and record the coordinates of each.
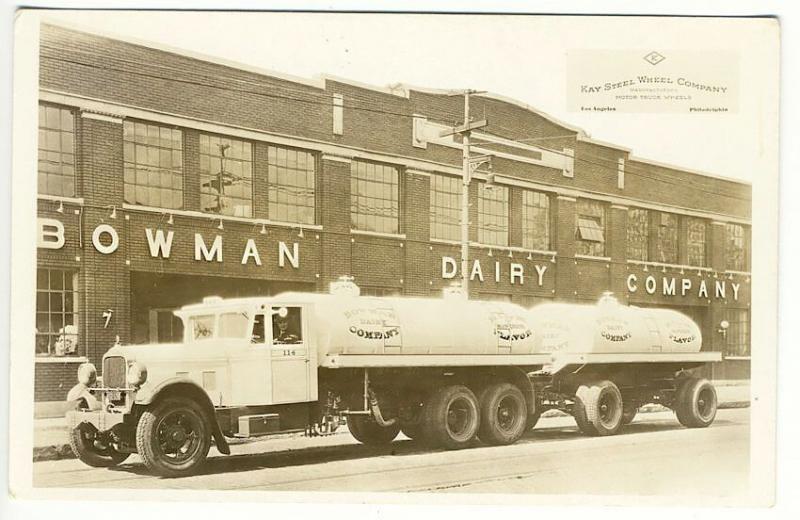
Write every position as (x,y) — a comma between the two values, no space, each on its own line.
(394,254)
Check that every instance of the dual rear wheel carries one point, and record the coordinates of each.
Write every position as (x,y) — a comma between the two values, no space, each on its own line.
(452,416)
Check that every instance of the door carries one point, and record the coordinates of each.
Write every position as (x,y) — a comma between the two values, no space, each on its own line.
(290,356)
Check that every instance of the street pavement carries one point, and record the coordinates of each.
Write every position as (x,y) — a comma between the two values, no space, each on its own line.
(652,456)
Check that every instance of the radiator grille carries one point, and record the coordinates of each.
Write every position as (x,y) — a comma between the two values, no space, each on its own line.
(114,372)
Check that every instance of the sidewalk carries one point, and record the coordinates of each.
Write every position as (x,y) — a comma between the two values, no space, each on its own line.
(50,440)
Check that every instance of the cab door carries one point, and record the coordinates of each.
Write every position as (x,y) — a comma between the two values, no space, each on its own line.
(290,355)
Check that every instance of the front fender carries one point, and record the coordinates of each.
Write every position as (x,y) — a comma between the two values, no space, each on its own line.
(147,394)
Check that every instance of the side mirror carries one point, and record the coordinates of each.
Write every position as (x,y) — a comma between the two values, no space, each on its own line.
(282,312)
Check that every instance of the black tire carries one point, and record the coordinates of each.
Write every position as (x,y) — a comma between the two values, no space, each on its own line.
(451,417)
(173,437)
(695,403)
(367,431)
(83,439)
(412,430)
(629,414)
(532,420)
(598,408)
(504,414)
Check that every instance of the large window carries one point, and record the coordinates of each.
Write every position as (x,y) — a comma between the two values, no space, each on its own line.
(226,176)
(445,207)
(696,241)
(535,220)
(492,215)
(638,234)
(374,197)
(56,151)
(590,228)
(292,180)
(56,313)
(667,238)
(735,247)
(153,162)
(737,336)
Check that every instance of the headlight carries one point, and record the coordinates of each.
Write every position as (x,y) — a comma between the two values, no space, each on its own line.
(87,374)
(137,374)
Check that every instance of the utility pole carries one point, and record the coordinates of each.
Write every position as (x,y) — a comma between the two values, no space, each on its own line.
(469,165)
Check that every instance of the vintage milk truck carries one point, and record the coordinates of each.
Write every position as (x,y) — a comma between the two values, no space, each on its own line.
(443,371)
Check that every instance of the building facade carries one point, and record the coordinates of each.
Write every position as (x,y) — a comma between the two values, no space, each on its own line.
(164,178)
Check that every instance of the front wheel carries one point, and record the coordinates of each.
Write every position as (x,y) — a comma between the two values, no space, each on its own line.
(173,437)
(91,449)
(367,431)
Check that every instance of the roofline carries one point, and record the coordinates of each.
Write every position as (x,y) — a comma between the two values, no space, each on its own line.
(320,81)
(180,51)
(689,170)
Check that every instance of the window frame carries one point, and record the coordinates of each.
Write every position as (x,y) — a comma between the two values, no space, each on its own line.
(661,229)
(643,230)
(440,228)
(486,235)
(53,337)
(135,167)
(205,174)
(738,336)
(43,131)
(743,263)
(359,219)
(281,211)
(584,246)
(689,245)
(529,221)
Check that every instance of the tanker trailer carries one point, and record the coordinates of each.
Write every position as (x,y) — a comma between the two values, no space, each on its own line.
(443,371)
(612,359)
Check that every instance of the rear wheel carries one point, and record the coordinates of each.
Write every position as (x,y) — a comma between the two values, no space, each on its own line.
(696,403)
(450,417)
(504,414)
(91,449)
(173,437)
(598,408)
(367,431)
(629,413)
(412,430)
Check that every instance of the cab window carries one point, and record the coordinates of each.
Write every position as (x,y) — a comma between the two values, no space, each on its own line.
(259,334)
(202,327)
(287,329)
(233,324)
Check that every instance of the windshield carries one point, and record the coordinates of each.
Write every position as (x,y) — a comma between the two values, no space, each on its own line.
(234,325)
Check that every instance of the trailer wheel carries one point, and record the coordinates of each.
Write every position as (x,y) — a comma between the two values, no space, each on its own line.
(451,417)
(173,437)
(367,431)
(696,403)
(91,450)
(598,408)
(504,414)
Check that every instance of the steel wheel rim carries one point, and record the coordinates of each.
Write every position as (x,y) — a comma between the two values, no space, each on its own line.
(506,414)
(178,436)
(705,403)
(459,418)
(609,410)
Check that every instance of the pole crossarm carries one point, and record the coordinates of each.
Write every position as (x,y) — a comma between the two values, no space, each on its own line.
(466,127)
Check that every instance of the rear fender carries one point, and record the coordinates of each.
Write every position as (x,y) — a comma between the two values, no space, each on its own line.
(187,388)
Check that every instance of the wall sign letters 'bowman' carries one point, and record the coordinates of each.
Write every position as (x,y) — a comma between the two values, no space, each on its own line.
(105,239)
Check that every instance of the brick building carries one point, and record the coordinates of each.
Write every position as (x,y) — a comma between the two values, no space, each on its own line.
(165,177)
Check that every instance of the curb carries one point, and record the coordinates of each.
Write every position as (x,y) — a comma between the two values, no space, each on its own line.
(63,451)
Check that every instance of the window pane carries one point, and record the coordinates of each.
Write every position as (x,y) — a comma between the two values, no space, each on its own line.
(56,318)
(493,215)
(228,191)
(535,220)
(590,227)
(375,187)
(149,150)
(56,151)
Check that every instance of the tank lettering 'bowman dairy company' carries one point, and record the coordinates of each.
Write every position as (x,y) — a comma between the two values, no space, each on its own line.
(669,287)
